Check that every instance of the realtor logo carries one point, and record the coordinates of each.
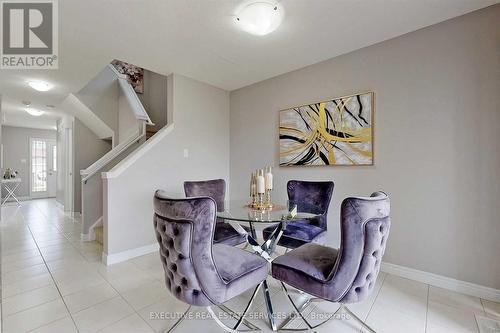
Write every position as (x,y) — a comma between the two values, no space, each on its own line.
(29,34)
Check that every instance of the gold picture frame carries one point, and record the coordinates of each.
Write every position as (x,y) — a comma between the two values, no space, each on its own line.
(335,132)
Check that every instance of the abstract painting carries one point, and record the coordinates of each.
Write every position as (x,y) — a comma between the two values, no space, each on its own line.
(334,132)
(135,74)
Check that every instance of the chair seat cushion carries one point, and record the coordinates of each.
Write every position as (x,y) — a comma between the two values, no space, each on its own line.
(225,234)
(240,269)
(298,233)
(232,263)
(312,260)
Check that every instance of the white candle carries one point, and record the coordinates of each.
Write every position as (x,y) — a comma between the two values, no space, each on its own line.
(261,184)
(269,180)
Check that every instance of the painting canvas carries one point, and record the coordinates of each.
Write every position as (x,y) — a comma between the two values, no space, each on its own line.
(334,132)
(135,74)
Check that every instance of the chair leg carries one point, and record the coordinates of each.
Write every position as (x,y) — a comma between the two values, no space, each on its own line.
(301,308)
(237,316)
(342,308)
(365,325)
(241,319)
(299,312)
(171,329)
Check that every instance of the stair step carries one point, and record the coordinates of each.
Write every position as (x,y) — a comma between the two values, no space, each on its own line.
(99,234)
(150,133)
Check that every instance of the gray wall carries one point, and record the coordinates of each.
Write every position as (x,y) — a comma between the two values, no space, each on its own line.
(437,134)
(200,114)
(16,146)
(154,98)
(88,148)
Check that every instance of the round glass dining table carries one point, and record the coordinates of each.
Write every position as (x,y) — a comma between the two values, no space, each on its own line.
(239,214)
(246,220)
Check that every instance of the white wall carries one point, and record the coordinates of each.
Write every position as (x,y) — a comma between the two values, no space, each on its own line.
(437,135)
(101,96)
(65,173)
(200,114)
(16,146)
(128,125)
(61,167)
(1,142)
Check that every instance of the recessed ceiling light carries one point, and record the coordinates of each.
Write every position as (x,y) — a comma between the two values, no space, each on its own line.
(34,112)
(260,17)
(40,85)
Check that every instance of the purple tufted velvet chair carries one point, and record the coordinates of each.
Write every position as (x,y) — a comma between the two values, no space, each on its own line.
(198,272)
(345,275)
(216,189)
(306,194)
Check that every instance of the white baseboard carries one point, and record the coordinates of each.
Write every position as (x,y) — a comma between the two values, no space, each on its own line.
(114,258)
(459,286)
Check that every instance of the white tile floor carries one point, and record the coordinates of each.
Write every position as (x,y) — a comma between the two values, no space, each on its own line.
(53,282)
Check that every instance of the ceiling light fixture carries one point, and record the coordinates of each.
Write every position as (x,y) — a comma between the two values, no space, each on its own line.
(34,112)
(40,85)
(260,17)
(31,111)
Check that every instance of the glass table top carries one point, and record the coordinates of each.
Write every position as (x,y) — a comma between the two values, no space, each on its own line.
(239,210)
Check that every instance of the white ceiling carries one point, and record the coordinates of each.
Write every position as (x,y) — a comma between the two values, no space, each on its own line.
(200,39)
(14,114)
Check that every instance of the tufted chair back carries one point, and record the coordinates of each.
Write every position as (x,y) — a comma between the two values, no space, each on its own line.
(365,225)
(185,229)
(316,194)
(215,188)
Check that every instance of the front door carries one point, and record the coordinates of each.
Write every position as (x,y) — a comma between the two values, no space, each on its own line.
(43,162)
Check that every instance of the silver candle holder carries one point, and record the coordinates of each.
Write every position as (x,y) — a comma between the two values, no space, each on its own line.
(260,189)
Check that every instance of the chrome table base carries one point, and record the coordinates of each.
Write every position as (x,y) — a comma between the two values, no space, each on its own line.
(265,251)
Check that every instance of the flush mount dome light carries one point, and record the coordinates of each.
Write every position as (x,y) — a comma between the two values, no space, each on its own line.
(40,85)
(34,112)
(260,17)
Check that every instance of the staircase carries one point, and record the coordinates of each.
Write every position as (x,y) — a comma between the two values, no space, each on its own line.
(133,128)
(161,162)
(110,108)
(150,133)
(99,235)
(99,230)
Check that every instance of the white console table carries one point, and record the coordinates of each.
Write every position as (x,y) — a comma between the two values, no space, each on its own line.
(11,186)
